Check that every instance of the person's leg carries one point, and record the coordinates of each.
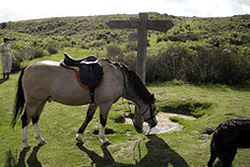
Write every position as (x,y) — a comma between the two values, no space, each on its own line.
(9,66)
(4,66)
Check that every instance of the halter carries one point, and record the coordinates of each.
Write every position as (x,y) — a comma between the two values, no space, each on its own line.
(152,116)
(151,113)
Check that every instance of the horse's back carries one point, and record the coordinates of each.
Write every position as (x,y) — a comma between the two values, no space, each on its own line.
(50,80)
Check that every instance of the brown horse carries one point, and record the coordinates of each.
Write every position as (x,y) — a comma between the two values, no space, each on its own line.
(50,81)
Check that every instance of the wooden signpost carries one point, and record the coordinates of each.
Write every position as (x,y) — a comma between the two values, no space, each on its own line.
(142,25)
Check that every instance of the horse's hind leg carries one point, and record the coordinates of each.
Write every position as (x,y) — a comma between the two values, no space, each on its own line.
(31,112)
(227,157)
(35,120)
(213,154)
(104,110)
(25,123)
(89,116)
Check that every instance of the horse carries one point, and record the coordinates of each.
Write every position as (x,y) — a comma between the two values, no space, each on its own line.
(228,137)
(48,81)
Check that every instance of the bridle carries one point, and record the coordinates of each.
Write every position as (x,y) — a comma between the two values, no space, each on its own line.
(152,115)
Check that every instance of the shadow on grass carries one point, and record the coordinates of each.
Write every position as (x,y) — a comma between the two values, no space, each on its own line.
(2,80)
(32,161)
(159,154)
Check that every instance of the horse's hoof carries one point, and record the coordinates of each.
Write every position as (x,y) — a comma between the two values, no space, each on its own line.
(79,143)
(27,148)
(42,143)
(106,143)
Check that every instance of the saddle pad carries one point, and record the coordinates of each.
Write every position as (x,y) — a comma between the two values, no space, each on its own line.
(91,75)
(88,76)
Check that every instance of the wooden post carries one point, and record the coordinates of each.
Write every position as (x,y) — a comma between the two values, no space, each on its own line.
(142,25)
(142,46)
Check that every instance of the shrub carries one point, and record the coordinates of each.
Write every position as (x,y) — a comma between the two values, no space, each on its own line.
(16,66)
(30,54)
(201,65)
(113,51)
(36,53)
(51,49)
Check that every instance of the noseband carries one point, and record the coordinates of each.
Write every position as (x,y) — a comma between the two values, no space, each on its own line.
(152,116)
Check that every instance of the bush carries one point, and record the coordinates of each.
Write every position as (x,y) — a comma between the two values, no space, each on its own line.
(36,53)
(113,51)
(30,54)
(16,66)
(201,65)
(51,49)
(127,57)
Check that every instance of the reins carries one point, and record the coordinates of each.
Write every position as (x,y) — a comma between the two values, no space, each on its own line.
(130,112)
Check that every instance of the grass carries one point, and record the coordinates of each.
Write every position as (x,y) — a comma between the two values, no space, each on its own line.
(59,125)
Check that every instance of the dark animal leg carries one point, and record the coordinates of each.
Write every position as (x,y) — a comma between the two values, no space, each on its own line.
(104,109)
(227,157)
(91,110)
(213,155)
(212,159)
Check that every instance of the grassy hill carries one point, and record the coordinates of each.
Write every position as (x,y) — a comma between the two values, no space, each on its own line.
(196,49)
(93,31)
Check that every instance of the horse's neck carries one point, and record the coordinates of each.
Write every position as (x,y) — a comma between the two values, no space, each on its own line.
(130,92)
(131,95)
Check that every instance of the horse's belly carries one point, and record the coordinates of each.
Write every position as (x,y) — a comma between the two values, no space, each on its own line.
(79,98)
(67,91)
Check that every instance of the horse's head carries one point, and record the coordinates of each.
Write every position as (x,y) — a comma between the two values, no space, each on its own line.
(145,113)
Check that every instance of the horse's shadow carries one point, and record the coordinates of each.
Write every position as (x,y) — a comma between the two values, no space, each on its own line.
(32,161)
(159,154)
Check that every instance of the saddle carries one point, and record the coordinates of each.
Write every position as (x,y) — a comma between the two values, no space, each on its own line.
(89,72)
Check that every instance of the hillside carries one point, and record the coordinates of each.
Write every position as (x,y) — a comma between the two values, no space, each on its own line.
(191,36)
(93,32)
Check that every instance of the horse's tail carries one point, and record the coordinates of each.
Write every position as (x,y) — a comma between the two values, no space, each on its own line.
(19,101)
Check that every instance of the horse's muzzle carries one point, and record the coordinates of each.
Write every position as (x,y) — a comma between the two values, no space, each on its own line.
(139,129)
(152,122)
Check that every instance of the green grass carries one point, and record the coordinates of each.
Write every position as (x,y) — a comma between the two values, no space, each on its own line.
(59,125)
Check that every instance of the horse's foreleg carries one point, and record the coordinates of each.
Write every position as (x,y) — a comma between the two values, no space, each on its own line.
(89,116)
(104,110)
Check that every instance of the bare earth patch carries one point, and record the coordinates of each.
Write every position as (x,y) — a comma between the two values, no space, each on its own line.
(165,125)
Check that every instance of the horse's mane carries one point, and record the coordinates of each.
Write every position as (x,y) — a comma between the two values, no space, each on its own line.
(139,87)
(136,83)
